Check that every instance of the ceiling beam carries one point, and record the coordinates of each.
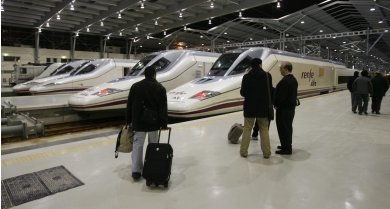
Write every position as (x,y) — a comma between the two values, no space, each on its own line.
(60,6)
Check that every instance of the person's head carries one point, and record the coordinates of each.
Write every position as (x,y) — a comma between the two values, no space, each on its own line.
(285,68)
(150,72)
(256,63)
(364,73)
(356,73)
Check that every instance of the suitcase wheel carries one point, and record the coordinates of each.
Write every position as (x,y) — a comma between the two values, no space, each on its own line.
(116,154)
(166,184)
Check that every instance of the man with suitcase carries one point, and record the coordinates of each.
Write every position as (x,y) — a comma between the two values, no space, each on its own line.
(147,111)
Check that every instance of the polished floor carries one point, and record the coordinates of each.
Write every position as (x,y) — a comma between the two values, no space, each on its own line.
(339,160)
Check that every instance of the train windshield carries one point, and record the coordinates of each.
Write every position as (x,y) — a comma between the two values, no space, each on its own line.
(140,65)
(242,66)
(160,64)
(87,69)
(223,63)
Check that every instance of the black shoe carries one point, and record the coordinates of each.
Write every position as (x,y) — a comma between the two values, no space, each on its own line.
(279,147)
(283,152)
(136,176)
(354,111)
(372,111)
(360,113)
(377,112)
(365,113)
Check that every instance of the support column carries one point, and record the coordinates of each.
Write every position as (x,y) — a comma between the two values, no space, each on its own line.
(130,48)
(73,46)
(36,49)
(102,48)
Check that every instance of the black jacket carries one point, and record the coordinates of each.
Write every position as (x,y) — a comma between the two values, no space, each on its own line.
(380,85)
(151,94)
(254,90)
(286,93)
(350,82)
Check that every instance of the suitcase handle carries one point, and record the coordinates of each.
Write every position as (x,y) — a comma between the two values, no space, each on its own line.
(169,134)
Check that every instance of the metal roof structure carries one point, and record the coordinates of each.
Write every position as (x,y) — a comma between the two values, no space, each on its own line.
(352,31)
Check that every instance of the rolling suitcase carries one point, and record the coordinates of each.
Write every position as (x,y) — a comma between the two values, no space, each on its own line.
(235,133)
(158,162)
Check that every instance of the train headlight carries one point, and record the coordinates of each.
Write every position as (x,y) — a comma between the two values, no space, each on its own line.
(108,91)
(205,95)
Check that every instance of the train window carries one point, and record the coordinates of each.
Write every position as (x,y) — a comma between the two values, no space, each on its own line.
(89,68)
(222,64)
(241,67)
(126,70)
(160,64)
(23,70)
(140,65)
(61,71)
(10,58)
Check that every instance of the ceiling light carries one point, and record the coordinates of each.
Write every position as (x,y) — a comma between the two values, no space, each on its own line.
(278,4)
(344,42)
(201,36)
(372,9)
(264,27)
(211,4)
(140,46)
(47,24)
(147,37)
(321,31)
(251,39)
(240,14)
(302,22)
(142,5)
(101,23)
(225,33)
(108,37)
(2,8)
(185,27)
(159,43)
(87,29)
(209,21)
(39,30)
(58,17)
(165,32)
(386,30)
(380,21)
(71,7)
(180,14)
(119,15)
(77,34)
(136,28)
(228,41)
(120,33)
(156,22)
(202,44)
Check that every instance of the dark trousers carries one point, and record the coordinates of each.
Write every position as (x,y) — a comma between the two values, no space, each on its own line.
(376,103)
(362,101)
(354,101)
(284,121)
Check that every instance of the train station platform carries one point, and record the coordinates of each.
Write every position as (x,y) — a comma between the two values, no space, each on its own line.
(339,160)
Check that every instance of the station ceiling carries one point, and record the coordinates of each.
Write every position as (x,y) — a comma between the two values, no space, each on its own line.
(317,27)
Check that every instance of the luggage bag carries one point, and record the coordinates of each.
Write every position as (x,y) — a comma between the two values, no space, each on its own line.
(158,162)
(235,132)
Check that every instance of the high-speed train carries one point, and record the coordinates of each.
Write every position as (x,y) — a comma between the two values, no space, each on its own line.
(61,72)
(219,91)
(174,67)
(49,69)
(91,74)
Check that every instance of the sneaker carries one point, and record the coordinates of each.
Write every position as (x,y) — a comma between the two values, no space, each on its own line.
(255,138)
(136,176)
(266,156)
(243,155)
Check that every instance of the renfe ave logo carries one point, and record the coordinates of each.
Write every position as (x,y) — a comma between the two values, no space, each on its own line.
(309,75)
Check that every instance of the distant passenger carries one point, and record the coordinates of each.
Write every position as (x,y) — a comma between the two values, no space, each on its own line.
(285,102)
(147,111)
(254,90)
(380,86)
(362,87)
(353,94)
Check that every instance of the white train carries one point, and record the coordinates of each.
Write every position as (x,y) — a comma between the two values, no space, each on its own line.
(174,67)
(93,73)
(26,72)
(61,72)
(219,92)
(49,70)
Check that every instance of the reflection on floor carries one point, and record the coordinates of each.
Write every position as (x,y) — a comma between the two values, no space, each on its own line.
(339,160)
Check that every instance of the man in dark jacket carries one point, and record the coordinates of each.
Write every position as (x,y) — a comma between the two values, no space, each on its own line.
(254,89)
(362,87)
(380,86)
(147,110)
(353,95)
(285,102)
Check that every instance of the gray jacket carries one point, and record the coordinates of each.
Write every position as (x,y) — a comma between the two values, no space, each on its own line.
(362,85)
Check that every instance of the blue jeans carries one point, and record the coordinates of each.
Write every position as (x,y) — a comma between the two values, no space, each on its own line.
(138,149)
